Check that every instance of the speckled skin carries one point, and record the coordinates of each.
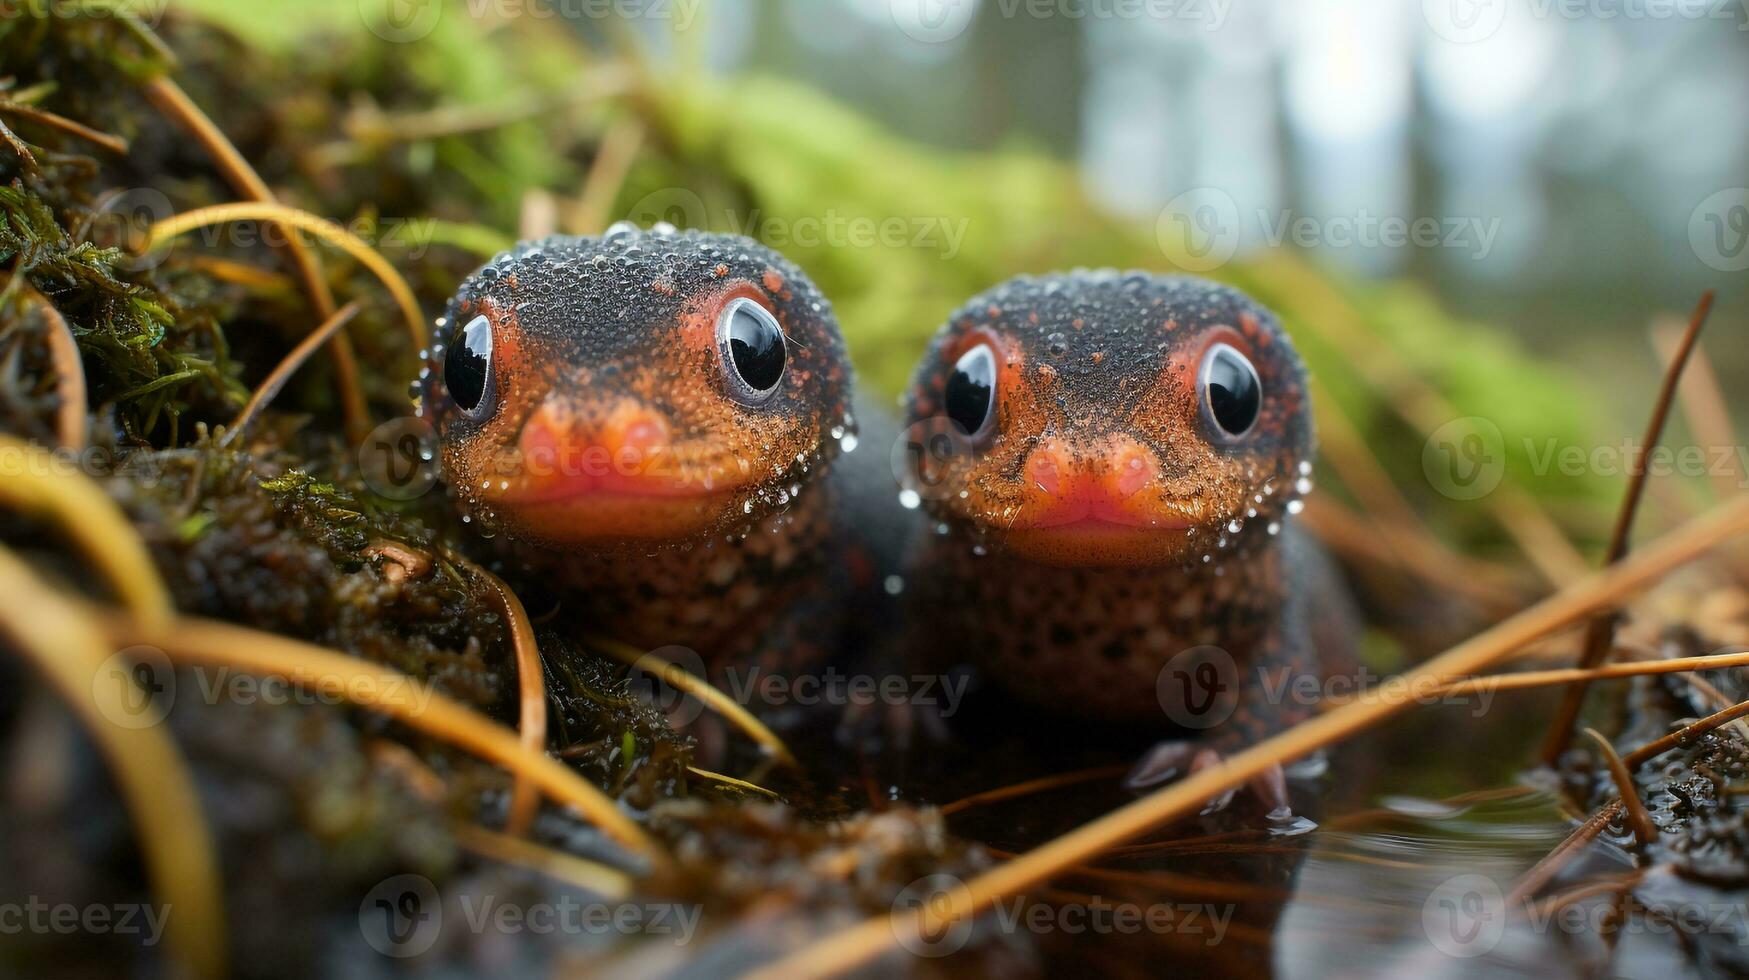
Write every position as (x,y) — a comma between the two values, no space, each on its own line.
(1194,542)
(720,532)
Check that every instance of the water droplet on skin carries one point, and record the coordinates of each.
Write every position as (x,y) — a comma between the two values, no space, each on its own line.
(1285,823)
(909,499)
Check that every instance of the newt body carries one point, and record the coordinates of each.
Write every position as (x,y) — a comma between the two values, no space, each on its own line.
(1114,462)
(649,421)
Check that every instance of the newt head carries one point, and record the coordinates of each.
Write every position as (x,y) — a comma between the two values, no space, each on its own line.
(1099,418)
(638,388)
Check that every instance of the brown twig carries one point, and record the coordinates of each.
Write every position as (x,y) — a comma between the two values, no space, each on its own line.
(282,372)
(201,641)
(1544,871)
(170,228)
(39,485)
(69,370)
(1638,819)
(713,698)
(114,144)
(1685,735)
(1568,675)
(531,725)
(849,948)
(1600,632)
(19,147)
(1703,403)
(610,884)
(174,103)
(57,636)
(1031,786)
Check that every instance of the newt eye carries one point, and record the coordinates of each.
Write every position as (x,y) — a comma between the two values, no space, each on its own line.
(752,349)
(1231,392)
(971,390)
(467,368)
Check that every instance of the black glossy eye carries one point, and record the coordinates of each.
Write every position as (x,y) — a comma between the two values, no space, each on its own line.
(971,390)
(753,347)
(1232,394)
(467,368)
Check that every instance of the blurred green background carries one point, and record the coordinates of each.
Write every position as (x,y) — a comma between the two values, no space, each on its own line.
(1490,200)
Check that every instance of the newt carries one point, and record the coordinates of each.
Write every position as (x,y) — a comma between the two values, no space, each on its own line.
(1114,463)
(647,421)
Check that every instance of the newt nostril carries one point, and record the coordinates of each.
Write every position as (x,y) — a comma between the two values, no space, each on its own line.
(640,432)
(1045,466)
(1132,468)
(546,433)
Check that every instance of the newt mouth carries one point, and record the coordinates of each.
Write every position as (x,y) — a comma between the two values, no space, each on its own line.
(536,487)
(1099,541)
(600,514)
